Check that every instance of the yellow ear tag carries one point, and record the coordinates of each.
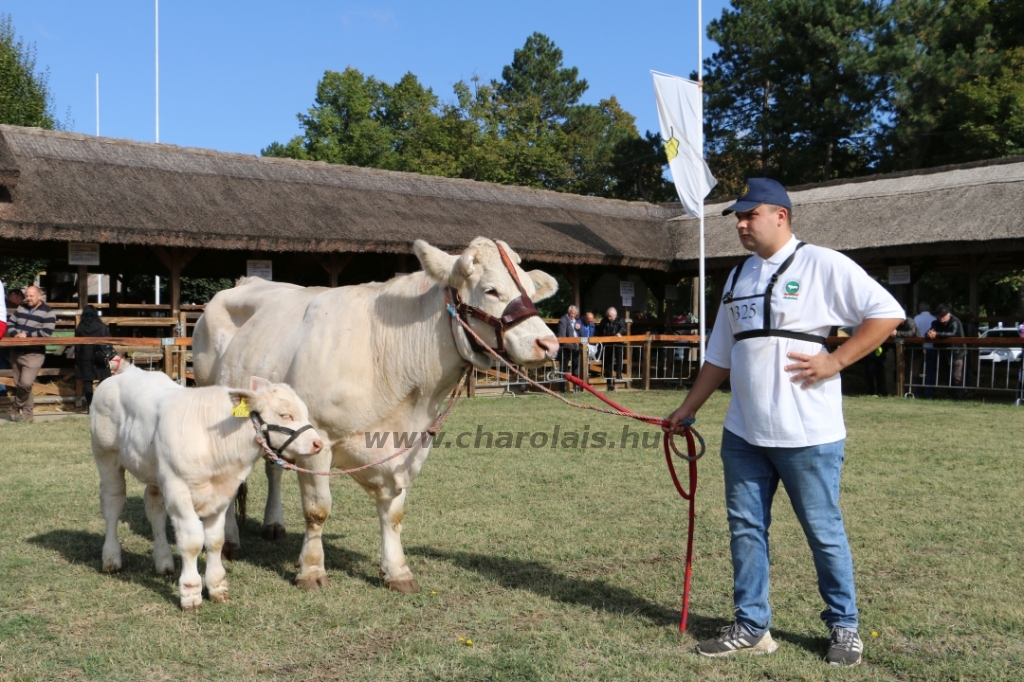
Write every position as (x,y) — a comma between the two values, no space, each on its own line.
(241,409)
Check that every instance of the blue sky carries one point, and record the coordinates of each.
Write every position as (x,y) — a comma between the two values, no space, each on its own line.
(234,73)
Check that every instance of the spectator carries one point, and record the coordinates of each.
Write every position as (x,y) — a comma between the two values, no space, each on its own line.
(945,326)
(588,328)
(91,362)
(611,325)
(569,328)
(924,321)
(4,362)
(32,319)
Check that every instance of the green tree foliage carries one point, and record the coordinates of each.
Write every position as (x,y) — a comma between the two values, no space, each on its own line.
(527,129)
(810,90)
(792,91)
(18,273)
(24,96)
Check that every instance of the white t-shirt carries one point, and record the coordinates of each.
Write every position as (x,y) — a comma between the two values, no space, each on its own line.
(3,303)
(821,289)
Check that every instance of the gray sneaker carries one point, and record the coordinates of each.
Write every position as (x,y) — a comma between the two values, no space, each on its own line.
(737,638)
(844,647)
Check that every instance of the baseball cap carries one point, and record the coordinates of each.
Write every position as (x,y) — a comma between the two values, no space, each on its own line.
(942,309)
(759,191)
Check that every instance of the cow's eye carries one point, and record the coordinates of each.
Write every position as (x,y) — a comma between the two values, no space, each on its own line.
(287,417)
(491,292)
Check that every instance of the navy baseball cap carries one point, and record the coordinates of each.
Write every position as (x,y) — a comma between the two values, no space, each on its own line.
(759,191)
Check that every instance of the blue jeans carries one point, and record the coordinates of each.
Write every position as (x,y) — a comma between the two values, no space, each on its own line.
(811,477)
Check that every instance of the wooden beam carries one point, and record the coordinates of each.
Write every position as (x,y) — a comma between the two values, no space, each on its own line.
(83,286)
(175,259)
(334,263)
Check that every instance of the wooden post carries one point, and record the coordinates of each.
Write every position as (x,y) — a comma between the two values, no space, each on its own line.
(899,369)
(584,358)
(175,259)
(83,286)
(648,346)
(333,263)
(169,361)
(471,388)
(182,364)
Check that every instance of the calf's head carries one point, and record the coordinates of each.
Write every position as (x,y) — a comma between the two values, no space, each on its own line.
(484,281)
(283,415)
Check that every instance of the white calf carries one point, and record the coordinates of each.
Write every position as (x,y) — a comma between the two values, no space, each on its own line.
(192,454)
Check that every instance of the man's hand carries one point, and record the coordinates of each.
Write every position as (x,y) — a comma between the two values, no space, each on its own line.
(21,335)
(674,419)
(812,368)
(930,333)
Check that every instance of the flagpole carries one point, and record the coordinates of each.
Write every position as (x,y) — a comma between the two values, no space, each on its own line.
(702,311)
(156,52)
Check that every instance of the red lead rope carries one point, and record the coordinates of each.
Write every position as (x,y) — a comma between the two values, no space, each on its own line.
(689,495)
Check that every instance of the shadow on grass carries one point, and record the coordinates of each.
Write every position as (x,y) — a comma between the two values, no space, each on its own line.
(280,556)
(816,645)
(595,594)
(86,548)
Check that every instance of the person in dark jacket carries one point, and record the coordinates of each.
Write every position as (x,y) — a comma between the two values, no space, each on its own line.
(611,325)
(569,328)
(90,365)
(946,326)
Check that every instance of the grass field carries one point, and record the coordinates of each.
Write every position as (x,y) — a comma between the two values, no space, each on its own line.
(557,564)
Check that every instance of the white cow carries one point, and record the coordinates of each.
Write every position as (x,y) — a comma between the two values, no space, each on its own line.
(192,454)
(377,357)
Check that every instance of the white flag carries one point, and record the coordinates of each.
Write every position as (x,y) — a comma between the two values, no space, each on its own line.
(679,112)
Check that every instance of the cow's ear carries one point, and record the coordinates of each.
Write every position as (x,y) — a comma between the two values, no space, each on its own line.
(257,384)
(436,263)
(545,284)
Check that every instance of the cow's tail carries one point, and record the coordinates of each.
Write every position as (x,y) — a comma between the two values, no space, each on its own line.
(240,499)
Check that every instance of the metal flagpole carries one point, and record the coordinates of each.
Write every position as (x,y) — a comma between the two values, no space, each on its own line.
(702,311)
(157,51)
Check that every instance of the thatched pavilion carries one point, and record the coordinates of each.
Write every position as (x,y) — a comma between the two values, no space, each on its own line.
(162,209)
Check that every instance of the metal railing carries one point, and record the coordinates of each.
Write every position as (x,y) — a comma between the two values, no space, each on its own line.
(960,368)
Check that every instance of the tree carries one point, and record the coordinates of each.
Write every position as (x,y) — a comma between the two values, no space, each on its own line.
(792,89)
(527,129)
(18,273)
(24,96)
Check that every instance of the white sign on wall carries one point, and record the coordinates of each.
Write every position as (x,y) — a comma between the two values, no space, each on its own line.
(260,268)
(626,289)
(627,301)
(83,253)
(899,274)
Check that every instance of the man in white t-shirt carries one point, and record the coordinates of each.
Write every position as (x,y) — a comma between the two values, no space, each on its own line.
(785,422)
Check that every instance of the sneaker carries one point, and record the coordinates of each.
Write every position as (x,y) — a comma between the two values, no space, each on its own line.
(844,647)
(734,639)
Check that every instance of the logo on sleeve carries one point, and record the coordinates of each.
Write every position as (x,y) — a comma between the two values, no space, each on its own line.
(792,290)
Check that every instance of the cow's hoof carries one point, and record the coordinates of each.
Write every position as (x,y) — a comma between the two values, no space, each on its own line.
(311,582)
(111,568)
(409,586)
(231,551)
(220,598)
(191,603)
(273,532)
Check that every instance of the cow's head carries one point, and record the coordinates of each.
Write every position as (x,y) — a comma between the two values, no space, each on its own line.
(283,417)
(484,281)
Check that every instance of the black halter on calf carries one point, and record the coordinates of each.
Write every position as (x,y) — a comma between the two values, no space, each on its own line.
(266,428)
(518,309)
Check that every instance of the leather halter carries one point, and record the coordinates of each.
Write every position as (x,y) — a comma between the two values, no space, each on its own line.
(266,428)
(517,311)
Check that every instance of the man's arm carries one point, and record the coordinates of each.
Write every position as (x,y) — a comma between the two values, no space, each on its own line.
(708,381)
(870,335)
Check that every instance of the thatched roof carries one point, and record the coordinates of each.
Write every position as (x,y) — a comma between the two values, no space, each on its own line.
(960,210)
(72,187)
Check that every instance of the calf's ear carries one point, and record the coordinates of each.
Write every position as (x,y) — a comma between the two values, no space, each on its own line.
(259,384)
(545,285)
(241,402)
